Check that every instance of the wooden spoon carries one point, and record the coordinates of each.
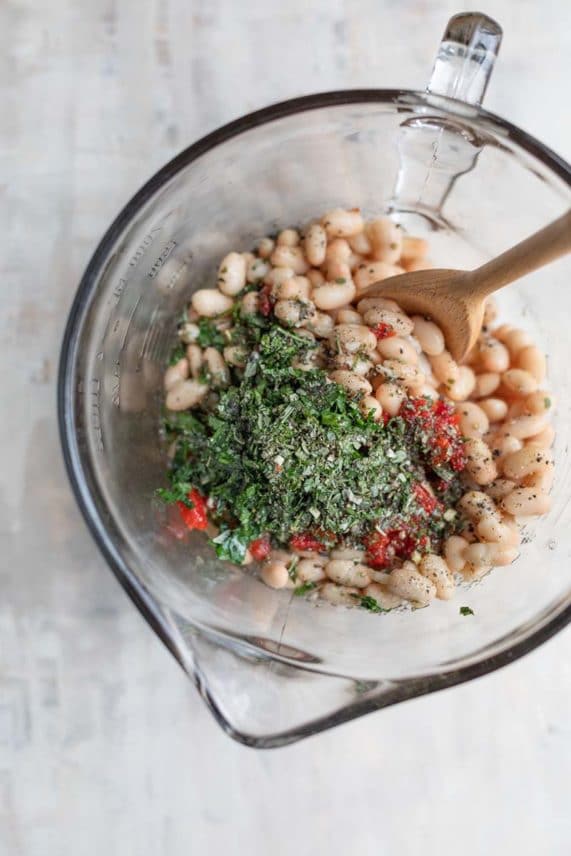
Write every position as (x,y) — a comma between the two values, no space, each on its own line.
(454,299)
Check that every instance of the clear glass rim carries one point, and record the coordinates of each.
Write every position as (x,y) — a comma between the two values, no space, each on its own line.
(84,486)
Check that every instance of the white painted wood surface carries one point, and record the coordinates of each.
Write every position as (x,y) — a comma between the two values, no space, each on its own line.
(105,748)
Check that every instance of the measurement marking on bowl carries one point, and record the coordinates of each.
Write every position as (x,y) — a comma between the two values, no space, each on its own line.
(141,250)
(95,412)
(161,259)
(116,390)
(150,333)
(131,316)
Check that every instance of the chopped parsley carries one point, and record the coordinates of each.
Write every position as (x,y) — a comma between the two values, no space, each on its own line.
(304,588)
(177,354)
(286,451)
(209,335)
(370,603)
(465,610)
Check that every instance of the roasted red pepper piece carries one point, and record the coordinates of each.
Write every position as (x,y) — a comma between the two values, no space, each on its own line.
(380,553)
(195,517)
(306,541)
(424,498)
(383,331)
(265,302)
(260,548)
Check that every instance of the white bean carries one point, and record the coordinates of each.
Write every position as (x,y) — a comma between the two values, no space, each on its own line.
(340,223)
(288,238)
(386,240)
(236,355)
(369,273)
(194,356)
(210,302)
(369,405)
(338,252)
(338,272)
(315,277)
(545,438)
(275,574)
(436,570)
(408,583)
(185,394)
(532,360)
(179,371)
(250,303)
(478,560)
(413,249)
(396,348)
(486,384)
(493,356)
(429,336)
(519,381)
(445,369)
(473,420)
(353,338)
(256,270)
(515,340)
(351,382)
(265,248)
(321,324)
(355,363)
(360,243)
(293,313)
(232,274)
(217,368)
(348,316)
(367,303)
(339,595)
(526,502)
(390,397)
(189,333)
(291,257)
(503,443)
(401,324)
(347,573)
(526,426)
(500,488)
(315,243)
(409,376)
(311,570)
(477,505)
(276,276)
(461,388)
(495,408)
(479,461)
(347,553)
(539,402)
(333,295)
(531,466)
(382,595)
(296,288)
(454,549)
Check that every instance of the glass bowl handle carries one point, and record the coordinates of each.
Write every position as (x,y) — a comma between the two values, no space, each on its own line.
(465,59)
(435,151)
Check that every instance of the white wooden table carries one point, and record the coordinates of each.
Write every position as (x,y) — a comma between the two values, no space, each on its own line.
(105,748)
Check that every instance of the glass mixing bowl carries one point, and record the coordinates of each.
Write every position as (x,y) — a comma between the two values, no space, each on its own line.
(274,668)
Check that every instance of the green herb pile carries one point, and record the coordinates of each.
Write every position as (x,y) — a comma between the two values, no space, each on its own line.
(285,451)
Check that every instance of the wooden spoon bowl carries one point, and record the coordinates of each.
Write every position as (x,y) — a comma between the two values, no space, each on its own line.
(455,299)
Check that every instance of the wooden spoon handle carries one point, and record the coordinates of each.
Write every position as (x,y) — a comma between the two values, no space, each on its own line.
(539,249)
